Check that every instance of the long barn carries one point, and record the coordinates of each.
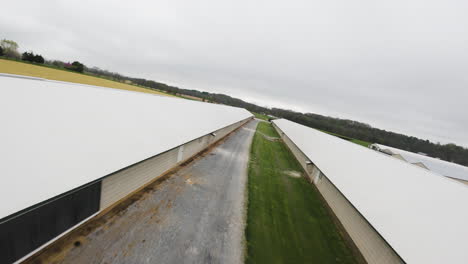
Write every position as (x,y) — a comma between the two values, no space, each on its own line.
(448,169)
(393,211)
(70,151)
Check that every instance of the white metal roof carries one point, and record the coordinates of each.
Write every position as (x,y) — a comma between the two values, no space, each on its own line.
(56,136)
(421,215)
(441,167)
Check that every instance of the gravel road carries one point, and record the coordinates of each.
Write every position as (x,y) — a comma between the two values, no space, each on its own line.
(195,216)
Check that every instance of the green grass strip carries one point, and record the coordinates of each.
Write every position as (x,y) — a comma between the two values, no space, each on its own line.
(287,221)
(260,116)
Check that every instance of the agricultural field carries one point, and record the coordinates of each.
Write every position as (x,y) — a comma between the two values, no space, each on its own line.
(20,68)
(287,220)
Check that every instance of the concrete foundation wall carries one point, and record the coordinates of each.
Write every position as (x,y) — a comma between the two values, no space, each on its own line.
(372,246)
(117,186)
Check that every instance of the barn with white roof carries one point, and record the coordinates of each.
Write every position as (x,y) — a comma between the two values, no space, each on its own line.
(393,211)
(448,169)
(69,151)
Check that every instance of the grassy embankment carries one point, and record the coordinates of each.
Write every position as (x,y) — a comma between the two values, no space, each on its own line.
(28,69)
(260,116)
(357,141)
(287,220)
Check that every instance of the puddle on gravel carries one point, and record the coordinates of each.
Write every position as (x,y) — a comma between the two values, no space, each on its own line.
(189,181)
(223,151)
(249,129)
(292,173)
(193,181)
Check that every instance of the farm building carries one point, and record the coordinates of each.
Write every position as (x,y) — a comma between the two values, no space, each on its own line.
(70,151)
(442,167)
(393,212)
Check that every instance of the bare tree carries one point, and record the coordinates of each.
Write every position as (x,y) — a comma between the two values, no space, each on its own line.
(10,49)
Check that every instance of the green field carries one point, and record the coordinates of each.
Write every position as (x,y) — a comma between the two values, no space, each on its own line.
(287,221)
(361,142)
(28,69)
(357,141)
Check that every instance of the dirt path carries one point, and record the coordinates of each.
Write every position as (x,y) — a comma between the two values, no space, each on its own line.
(195,216)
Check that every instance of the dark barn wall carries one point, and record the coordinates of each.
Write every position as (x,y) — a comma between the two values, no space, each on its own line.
(22,234)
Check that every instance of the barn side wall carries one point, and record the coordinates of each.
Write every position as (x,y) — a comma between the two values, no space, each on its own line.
(372,246)
(26,231)
(121,184)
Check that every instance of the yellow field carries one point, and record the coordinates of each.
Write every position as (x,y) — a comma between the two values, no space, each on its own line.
(13,67)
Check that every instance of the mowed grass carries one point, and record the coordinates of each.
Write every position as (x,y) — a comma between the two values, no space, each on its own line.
(361,142)
(356,141)
(20,68)
(287,221)
(260,116)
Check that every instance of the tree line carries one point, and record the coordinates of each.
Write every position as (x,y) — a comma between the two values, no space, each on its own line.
(31,57)
(349,128)
(9,50)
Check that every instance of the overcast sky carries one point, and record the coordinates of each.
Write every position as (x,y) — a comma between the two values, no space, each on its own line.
(400,65)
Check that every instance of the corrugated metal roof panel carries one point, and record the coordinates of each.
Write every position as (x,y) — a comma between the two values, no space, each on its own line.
(421,215)
(56,136)
(441,167)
